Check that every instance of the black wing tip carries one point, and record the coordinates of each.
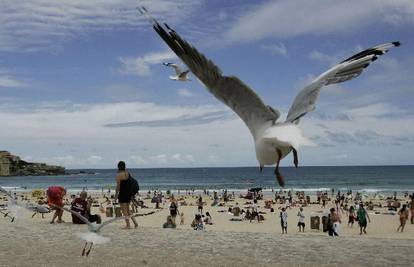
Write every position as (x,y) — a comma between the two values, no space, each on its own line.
(396,43)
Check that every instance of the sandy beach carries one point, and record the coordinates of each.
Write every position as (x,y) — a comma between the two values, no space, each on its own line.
(34,242)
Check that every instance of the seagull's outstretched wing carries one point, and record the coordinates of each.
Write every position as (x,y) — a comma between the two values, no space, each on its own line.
(344,71)
(177,69)
(228,89)
(4,191)
(111,221)
(77,214)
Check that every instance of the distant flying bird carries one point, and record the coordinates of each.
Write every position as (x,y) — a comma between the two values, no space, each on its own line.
(15,207)
(180,75)
(273,140)
(93,236)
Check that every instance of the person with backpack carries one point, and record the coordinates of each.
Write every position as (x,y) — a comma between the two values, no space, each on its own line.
(125,191)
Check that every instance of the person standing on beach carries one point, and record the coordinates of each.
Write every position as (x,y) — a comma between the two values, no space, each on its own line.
(362,216)
(351,216)
(200,205)
(123,193)
(333,223)
(173,210)
(403,217)
(412,209)
(301,222)
(55,196)
(283,220)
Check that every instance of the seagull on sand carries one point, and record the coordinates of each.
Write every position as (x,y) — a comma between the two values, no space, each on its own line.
(93,236)
(15,207)
(274,139)
(181,76)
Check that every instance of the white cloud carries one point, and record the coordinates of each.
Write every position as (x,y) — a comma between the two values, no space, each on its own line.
(141,66)
(322,57)
(275,49)
(7,82)
(373,110)
(74,135)
(184,92)
(41,24)
(284,19)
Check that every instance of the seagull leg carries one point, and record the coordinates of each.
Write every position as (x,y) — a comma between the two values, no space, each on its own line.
(279,177)
(84,248)
(295,157)
(34,214)
(260,168)
(89,251)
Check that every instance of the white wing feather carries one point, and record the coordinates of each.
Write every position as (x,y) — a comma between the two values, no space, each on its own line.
(344,71)
(228,89)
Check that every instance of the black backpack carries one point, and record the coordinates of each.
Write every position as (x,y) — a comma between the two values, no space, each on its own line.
(134,186)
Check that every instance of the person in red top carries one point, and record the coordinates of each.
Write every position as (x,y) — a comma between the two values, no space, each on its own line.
(55,196)
(83,205)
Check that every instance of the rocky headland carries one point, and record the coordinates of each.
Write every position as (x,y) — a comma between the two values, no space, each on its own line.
(11,165)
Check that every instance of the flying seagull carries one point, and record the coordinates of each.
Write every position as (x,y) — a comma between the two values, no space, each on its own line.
(15,207)
(273,139)
(93,236)
(180,75)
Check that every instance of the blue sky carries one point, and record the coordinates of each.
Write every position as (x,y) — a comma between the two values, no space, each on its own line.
(70,70)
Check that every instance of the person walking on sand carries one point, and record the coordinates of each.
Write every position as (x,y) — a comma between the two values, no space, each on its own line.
(334,222)
(403,217)
(351,216)
(301,220)
(55,196)
(283,220)
(200,205)
(362,216)
(173,210)
(123,193)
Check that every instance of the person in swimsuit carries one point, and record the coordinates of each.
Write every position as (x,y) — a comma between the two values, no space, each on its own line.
(123,193)
(351,216)
(403,217)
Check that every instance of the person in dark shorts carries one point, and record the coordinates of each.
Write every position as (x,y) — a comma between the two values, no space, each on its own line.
(200,205)
(173,210)
(362,216)
(351,216)
(301,220)
(123,193)
(82,205)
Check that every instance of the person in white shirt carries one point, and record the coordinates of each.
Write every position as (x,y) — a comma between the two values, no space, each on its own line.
(301,221)
(283,220)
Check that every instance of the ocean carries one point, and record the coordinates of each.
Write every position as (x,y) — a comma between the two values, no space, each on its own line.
(369,179)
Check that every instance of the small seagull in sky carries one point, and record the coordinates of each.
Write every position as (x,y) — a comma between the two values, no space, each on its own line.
(181,76)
